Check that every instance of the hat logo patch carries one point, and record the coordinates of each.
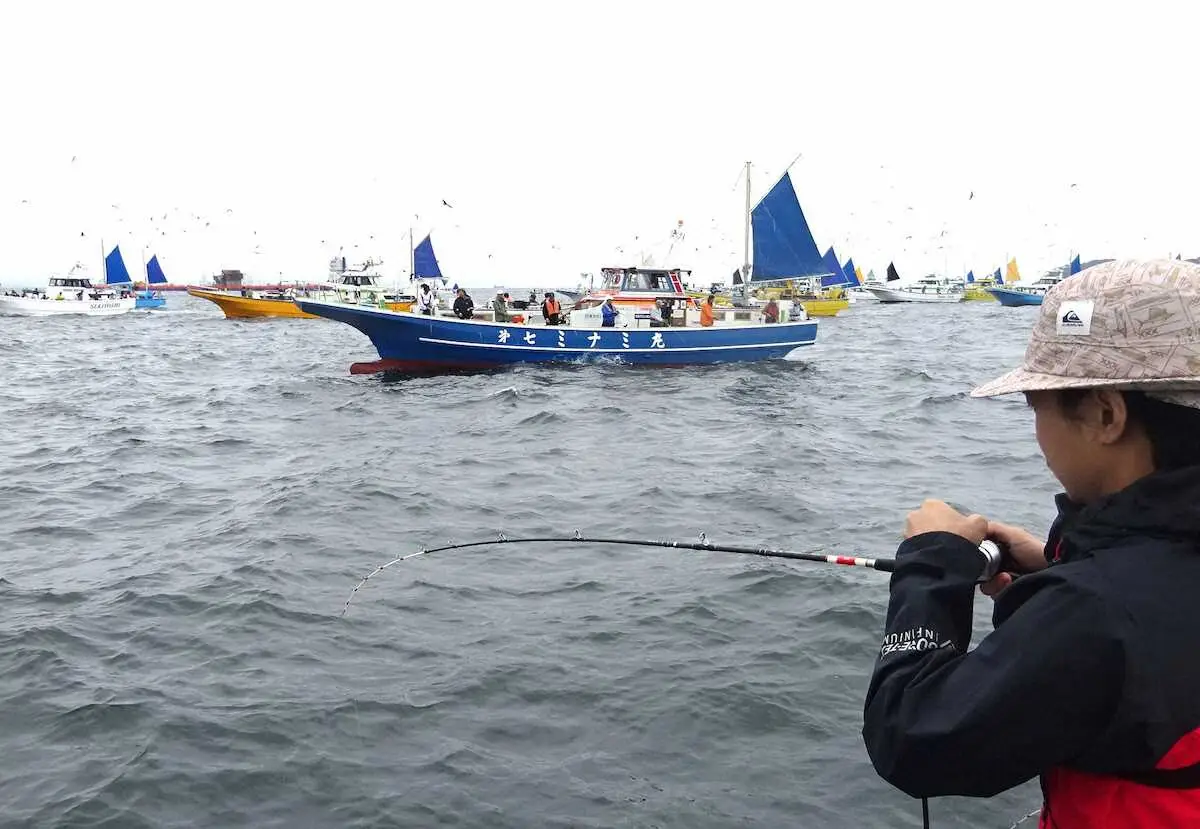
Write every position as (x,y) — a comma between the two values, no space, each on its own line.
(1075,317)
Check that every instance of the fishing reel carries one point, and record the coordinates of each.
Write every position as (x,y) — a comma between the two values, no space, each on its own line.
(992,558)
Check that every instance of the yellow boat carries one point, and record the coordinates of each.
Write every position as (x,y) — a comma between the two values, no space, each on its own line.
(978,293)
(822,306)
(827,302)
(237,306)
(977,289)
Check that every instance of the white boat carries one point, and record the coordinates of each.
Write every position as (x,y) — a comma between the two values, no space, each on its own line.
(925,289)
(863,293)
(70,294)
(357,285)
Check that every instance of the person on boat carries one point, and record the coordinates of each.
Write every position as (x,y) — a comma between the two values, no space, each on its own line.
(666,309)
(464,308)
(500,307)
(706,311)
(608,313)
(1090,678)
(425,300)
(771,312)
(551,310)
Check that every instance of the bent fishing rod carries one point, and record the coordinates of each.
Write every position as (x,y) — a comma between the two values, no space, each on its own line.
(990,551)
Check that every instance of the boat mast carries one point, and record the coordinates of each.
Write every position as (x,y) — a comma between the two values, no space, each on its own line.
(746,238)
(412,257)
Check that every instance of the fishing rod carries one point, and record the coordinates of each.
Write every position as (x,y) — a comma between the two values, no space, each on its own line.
(991,553)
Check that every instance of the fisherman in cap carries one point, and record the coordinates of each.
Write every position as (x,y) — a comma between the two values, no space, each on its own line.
(500,307)
(1090,679)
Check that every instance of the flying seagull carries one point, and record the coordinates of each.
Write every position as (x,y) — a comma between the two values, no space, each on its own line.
(447,203)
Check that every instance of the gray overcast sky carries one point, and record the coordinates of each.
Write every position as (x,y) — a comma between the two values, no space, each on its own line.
(569,136)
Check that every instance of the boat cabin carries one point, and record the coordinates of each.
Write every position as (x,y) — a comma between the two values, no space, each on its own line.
(931,284)
(644,280)
(71,283)
(638,286)
(358,280)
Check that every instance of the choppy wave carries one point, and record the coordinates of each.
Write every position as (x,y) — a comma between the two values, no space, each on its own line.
(189,501)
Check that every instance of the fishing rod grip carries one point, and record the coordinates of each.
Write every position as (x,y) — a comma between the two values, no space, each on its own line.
(993,556)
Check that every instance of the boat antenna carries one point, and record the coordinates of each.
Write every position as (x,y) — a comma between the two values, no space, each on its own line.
(990,552)
(746,239)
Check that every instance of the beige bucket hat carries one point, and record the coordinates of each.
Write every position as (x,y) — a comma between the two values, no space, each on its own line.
(1127,324)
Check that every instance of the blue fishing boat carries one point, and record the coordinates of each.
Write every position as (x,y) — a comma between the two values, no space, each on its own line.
(418,343)
(150,299)
(1013,295)
(786,254)
(116,275)
(647,331)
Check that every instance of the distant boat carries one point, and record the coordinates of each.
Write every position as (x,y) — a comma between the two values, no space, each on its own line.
(1014,295)
(360,285)
(249,304)
(785,254)
(977,288)
(862,293)
(927,289)
(72,294)
(150,299)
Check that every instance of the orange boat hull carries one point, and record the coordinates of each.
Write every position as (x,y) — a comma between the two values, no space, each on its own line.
(243,307)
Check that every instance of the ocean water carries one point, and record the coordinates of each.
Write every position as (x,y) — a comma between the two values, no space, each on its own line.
(187,502)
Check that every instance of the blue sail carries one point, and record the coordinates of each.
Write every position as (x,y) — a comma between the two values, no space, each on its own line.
(970,276)
(114,269)
(425,264)
(154,272)
(783,245)
(836,276)
(997,278)
(851,272)
(1074,266)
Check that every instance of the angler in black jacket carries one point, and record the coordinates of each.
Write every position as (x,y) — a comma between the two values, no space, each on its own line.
(1091,678)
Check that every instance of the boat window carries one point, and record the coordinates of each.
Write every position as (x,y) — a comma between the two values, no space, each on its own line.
(637,282)
(55,283)
(661,282)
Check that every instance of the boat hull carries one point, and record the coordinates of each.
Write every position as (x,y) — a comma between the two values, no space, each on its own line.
(823,307)
(241,307)
(148,302)
(29,307)
(1014,299)
(899,295)
(412,342)
(978,295)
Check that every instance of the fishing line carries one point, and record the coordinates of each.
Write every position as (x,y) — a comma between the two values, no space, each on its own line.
(990,553)
(884,564)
